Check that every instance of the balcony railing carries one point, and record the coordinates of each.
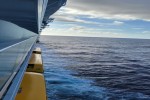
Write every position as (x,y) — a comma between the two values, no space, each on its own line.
(11,58)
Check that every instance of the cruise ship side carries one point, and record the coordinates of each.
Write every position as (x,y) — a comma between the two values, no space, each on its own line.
(21,22)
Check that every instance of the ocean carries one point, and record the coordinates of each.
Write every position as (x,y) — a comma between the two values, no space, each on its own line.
(93,68)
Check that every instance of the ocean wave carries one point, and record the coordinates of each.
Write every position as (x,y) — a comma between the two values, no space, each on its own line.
(95,69)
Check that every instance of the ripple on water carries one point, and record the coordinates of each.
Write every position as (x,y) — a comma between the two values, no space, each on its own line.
(96,69)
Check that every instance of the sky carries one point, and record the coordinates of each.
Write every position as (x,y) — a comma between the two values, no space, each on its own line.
(102,18)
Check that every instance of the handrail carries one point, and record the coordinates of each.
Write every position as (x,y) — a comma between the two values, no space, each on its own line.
(12,91)
(3,90)
(15,44)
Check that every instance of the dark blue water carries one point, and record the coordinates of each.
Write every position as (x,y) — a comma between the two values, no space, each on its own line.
(81,68)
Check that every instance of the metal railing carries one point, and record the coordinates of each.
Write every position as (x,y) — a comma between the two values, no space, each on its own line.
(11,59)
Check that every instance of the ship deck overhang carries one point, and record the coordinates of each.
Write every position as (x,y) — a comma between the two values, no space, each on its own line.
(29,14)
(20,12)
(21,22)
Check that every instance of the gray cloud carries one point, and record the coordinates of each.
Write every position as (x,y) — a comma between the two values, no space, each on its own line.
(117,10)
(78,13)
(65,17)
(113,8)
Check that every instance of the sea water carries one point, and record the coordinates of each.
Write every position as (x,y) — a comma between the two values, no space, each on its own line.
(92,68)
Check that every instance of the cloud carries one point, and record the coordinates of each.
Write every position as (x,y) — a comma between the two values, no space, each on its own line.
(118,23)
(72,12)
(146,32)
(77,28)
(138,28)
(68,19)
(81,31)
(72,19)
(117,10)
(104,18)
(73,16)
(111,9)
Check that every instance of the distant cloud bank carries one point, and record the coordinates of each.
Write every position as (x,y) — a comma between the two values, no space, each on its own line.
(106,18)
